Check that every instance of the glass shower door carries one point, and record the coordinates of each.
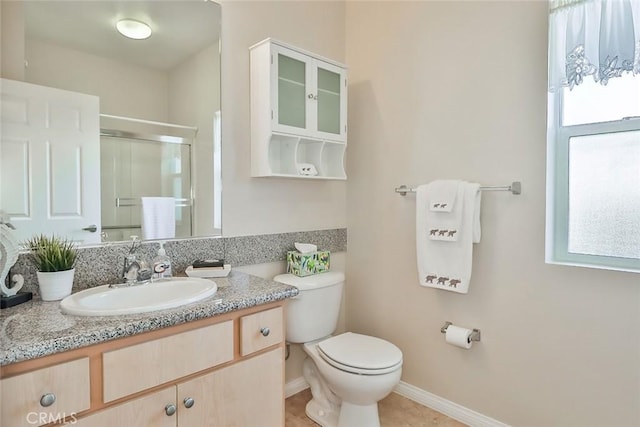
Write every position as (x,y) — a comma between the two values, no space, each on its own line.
(132,168)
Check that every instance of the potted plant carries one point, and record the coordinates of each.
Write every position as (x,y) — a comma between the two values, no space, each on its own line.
(55,260)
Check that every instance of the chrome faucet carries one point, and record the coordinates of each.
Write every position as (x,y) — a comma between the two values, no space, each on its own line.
(134,271)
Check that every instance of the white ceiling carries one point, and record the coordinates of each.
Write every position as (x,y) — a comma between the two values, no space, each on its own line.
(180,28)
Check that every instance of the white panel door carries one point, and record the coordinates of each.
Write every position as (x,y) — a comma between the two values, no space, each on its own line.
(50,161)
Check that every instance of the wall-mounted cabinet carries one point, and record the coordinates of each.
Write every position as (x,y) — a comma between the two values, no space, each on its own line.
(298,113)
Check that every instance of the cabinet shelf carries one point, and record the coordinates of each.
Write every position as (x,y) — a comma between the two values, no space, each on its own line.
(293,82)
(289,153)
(293,134)
(328,92)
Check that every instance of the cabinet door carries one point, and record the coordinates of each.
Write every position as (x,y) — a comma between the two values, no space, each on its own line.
(247,394)
(309,96)
(330,101)
(291,74)
(148,411)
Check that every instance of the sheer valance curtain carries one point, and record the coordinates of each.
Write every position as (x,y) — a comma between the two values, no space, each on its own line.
(597,38)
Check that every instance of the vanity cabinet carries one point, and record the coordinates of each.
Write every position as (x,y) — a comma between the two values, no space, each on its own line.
(298,113)
(226,370)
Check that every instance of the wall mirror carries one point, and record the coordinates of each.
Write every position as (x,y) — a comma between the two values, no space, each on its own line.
(158,133)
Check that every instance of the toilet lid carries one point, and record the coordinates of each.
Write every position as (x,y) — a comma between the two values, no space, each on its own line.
(360,353)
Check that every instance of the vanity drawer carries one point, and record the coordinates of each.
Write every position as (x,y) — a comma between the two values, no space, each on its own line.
(139,367)
(45,395)
(261,330)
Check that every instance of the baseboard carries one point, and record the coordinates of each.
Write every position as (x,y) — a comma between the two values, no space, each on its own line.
(450,409)
(295,386)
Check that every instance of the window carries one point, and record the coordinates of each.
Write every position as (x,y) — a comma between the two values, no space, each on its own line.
(593,155)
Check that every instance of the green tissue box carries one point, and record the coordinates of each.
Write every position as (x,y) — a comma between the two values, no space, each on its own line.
(307,264)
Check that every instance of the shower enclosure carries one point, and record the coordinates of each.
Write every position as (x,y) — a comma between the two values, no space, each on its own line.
(134,165)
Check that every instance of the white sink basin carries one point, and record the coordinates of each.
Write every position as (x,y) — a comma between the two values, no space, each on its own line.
(105,301)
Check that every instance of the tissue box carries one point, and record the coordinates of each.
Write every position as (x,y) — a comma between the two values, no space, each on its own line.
(307,264)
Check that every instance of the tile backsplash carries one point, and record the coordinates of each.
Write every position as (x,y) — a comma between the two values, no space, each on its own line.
(101,265)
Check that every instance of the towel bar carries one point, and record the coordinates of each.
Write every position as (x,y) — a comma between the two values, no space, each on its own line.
(515,188)
(135,201)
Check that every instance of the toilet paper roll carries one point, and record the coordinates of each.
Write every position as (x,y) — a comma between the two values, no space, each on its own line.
(460,337)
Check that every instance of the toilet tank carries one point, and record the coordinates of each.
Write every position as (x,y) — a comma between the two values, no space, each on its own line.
(313,313)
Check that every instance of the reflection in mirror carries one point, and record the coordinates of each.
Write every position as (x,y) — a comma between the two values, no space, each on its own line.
(158,129)
(135,165)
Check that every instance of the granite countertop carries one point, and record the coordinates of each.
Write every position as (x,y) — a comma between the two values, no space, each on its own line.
(38,328)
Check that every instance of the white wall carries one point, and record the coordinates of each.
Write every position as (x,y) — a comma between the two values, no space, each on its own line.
(272,205)
(11,40)
(49,65)
(458,90)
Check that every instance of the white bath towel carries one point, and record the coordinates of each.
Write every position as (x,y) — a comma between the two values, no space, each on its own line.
(446,264)
(158,218)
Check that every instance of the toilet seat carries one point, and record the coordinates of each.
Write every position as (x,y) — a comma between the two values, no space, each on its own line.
(360,354)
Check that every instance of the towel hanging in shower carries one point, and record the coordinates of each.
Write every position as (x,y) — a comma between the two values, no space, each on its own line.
(158,218)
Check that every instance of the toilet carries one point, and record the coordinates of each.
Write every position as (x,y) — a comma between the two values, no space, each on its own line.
(348,373)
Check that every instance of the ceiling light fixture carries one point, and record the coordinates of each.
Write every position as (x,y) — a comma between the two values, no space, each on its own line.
(133,29)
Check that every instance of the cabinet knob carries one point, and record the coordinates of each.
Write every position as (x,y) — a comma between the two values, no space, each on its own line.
(170,409)
(189,402)
(47,399)
(312,96)
(265,331)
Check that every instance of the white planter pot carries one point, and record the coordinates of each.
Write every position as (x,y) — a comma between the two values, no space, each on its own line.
(56,285)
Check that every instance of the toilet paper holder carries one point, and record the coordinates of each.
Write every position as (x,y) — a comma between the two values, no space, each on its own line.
(475,335)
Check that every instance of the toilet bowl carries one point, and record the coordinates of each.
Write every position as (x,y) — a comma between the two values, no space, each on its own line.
(358,380)
(348,373)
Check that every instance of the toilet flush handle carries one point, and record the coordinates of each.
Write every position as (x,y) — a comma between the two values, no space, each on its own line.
(265,331)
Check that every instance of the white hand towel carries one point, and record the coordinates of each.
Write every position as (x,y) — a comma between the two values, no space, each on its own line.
(443,194)
(447,264)
(444,222)
(158,218)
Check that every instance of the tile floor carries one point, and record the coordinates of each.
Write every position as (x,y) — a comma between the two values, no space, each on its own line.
(395,411)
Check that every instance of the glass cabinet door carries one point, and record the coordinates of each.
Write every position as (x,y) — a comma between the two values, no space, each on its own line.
(309,97)
(291,91)
(328,101)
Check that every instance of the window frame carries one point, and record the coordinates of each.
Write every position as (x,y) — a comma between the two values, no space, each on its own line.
(557,212)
